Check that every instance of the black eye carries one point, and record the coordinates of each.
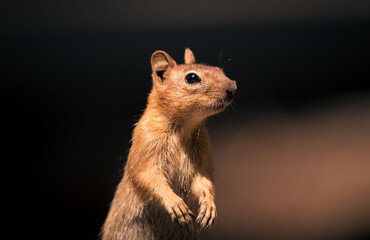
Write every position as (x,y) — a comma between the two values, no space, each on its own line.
(192,78)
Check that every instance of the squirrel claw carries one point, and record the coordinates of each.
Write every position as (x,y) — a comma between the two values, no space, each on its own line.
(192,215)
(207,215)
(181,212)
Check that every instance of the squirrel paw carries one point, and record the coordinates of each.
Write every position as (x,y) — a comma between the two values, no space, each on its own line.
(207,213)
(178,209)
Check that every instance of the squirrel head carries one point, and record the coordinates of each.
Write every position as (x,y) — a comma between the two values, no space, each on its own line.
(189,91)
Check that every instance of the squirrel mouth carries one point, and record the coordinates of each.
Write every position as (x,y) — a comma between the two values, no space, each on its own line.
(220,105)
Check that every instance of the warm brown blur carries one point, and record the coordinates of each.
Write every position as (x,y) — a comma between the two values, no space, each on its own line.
(302,176)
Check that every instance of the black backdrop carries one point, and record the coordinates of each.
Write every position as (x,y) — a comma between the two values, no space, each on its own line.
(71,97)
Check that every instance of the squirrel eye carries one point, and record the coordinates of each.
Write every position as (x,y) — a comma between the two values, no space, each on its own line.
(192,78)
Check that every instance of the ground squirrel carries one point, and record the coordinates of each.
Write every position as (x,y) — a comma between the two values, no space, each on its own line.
(167,188)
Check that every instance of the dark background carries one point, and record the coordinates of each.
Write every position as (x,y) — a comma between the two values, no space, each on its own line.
(76,74)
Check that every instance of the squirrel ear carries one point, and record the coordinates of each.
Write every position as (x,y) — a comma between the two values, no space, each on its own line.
(189,56)
(161,62)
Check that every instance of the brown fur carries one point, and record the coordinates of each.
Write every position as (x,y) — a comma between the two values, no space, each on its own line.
(168,175)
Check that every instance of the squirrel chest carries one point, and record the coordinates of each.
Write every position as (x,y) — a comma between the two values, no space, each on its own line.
(178,154)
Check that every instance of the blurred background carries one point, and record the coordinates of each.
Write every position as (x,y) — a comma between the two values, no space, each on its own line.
(291,155)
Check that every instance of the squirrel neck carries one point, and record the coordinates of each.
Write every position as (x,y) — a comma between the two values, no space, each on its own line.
(165,120)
